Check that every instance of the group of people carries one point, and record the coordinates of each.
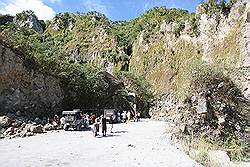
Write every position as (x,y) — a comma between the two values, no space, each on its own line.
(125,116)
(100,123)
(55,121)
(58,122)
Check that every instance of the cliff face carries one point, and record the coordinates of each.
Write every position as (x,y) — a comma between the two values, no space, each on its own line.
(85,39)
(168,61)
(245,45)
(201,81)
(24,89)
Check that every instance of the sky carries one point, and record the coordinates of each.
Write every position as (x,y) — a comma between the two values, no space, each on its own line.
(113,9)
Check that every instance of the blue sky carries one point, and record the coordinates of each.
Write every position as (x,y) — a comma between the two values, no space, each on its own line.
(113,9)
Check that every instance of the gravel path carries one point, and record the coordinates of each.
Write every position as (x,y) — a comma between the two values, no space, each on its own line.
(135,144)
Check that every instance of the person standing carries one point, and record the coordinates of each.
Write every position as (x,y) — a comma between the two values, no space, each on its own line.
(123,116)
(128,116)
(138,116)
(112,121)
(135,117)
(118,117)
(86,123)
(62,122)
(104,125)
(95,127)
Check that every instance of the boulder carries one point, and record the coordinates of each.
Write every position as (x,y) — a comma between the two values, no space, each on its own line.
(221,120)
(29,134)
(49,127)
(23,133)
(27,127)
(36,129)
(5,121)
(26,134)
(202,106)
(9,131)
(18,113)
(218,158)
(38,120)
(23,125)
(17,124)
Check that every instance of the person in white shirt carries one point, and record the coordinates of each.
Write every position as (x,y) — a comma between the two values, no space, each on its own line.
(128,116)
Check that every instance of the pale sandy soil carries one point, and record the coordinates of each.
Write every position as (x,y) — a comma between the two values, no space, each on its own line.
(141,144)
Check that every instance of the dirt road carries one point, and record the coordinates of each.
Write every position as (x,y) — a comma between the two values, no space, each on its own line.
(136,144)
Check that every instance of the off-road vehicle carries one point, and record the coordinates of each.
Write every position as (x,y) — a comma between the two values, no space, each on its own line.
(73,120)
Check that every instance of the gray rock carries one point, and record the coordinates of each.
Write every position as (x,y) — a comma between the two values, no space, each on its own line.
(248,17)
(31,21)
(23,133)
(27,127)
(193,99)
(9,131)
(49,127)
(23,125)
(220,85)
(202,105)
(57,24)
(36,129)
(38,120)
(218,158)
(221,120)
(29,134)
(17,124)
(183,128)
(5,121)
(164,27)
(18,113)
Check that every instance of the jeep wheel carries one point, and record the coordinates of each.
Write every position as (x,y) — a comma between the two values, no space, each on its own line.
(79,127)
(66,127)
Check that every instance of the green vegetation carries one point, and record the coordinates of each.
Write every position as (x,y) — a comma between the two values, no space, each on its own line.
(73,45)
(214,6)
(198,148)
(127,32)
(52,51)
(138,84)
(236,148)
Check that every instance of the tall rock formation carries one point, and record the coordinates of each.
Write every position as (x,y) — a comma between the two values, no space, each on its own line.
(24,88)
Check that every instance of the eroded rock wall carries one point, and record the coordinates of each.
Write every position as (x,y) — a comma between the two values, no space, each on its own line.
(165,59)
(25,90)
(245,44)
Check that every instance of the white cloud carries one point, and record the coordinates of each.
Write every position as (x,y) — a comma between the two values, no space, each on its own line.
(96,5)
(41,10)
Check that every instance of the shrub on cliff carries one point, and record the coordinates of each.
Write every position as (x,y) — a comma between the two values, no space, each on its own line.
(216,110)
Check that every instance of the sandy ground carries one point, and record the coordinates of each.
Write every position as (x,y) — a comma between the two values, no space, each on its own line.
(142,144)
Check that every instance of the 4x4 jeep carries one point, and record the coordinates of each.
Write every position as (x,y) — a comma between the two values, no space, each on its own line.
(73,120)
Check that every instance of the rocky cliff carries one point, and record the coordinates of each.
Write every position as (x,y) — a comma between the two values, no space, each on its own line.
(24,88)
(171,62)
(167,60)
(200,75)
